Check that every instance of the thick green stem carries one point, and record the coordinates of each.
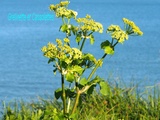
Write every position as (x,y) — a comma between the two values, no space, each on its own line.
(76,102)
(97,65)
(69,100)
(77,97)
(69,103)
(63,95)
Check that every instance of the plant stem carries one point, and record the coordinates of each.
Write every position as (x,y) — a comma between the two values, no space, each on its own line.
(99,62)
(76,102)
(82,44)
(63,95)
(112,41)
(115,44)
(69,103)
(77,97)
(69,100)
(97,65)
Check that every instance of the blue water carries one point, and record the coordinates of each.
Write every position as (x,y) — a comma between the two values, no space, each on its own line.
(24,72)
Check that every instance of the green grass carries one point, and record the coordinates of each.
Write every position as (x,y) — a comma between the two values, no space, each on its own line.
(119,104)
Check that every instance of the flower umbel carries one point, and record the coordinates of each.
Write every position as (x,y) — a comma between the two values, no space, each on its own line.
(131,28)
(62,11)
(88,24)
(117,33)
(62,52)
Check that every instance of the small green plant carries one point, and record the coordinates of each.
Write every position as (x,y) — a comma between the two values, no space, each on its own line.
(72,62)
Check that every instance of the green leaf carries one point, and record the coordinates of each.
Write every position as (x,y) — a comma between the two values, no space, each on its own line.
(69,77)
(77,69)
(58,93)
(109,50)
(88,60)
(105,44)
(64,28)
(91,39)
(70,93)
(104,88)
(89,56)
(91,89)
(48,112)
(83,81)
(51,60)
(95,81)
(54,71)
(78,38)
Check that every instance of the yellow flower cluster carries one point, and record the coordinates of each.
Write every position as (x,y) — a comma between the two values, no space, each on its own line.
(64,12)
(77,53)
(117,33)
(64,3)
(88,24)
(66,40)
(61,10)
(131,27)
(61,51)
(50,50)
(61,4)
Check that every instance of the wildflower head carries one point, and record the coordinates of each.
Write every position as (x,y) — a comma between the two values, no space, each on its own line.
(131,28)
(64,3)
(61,4)
(62,51)
(88,24)
(62,11)
(50,50)
(117,33)
(66,40)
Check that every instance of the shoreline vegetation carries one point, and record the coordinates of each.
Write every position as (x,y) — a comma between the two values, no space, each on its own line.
(121,103)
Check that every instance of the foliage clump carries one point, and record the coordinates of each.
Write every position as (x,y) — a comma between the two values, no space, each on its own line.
(72,62)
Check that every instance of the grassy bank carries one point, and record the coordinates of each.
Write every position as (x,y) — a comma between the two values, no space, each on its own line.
(120,103)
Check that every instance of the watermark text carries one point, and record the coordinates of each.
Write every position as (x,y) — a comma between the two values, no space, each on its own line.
(30,17)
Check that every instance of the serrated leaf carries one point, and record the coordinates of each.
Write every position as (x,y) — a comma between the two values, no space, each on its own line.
(92,39)
(83,81)
(69,77)
(77,69)
(89,56)
(58,93)
(104,88)
(89,60)
(64,28)
(95,80)
(109,50)
(105,44)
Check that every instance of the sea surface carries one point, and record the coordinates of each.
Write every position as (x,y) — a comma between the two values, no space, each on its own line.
(24,72)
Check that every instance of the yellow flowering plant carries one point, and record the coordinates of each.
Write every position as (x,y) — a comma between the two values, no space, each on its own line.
(72,62)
